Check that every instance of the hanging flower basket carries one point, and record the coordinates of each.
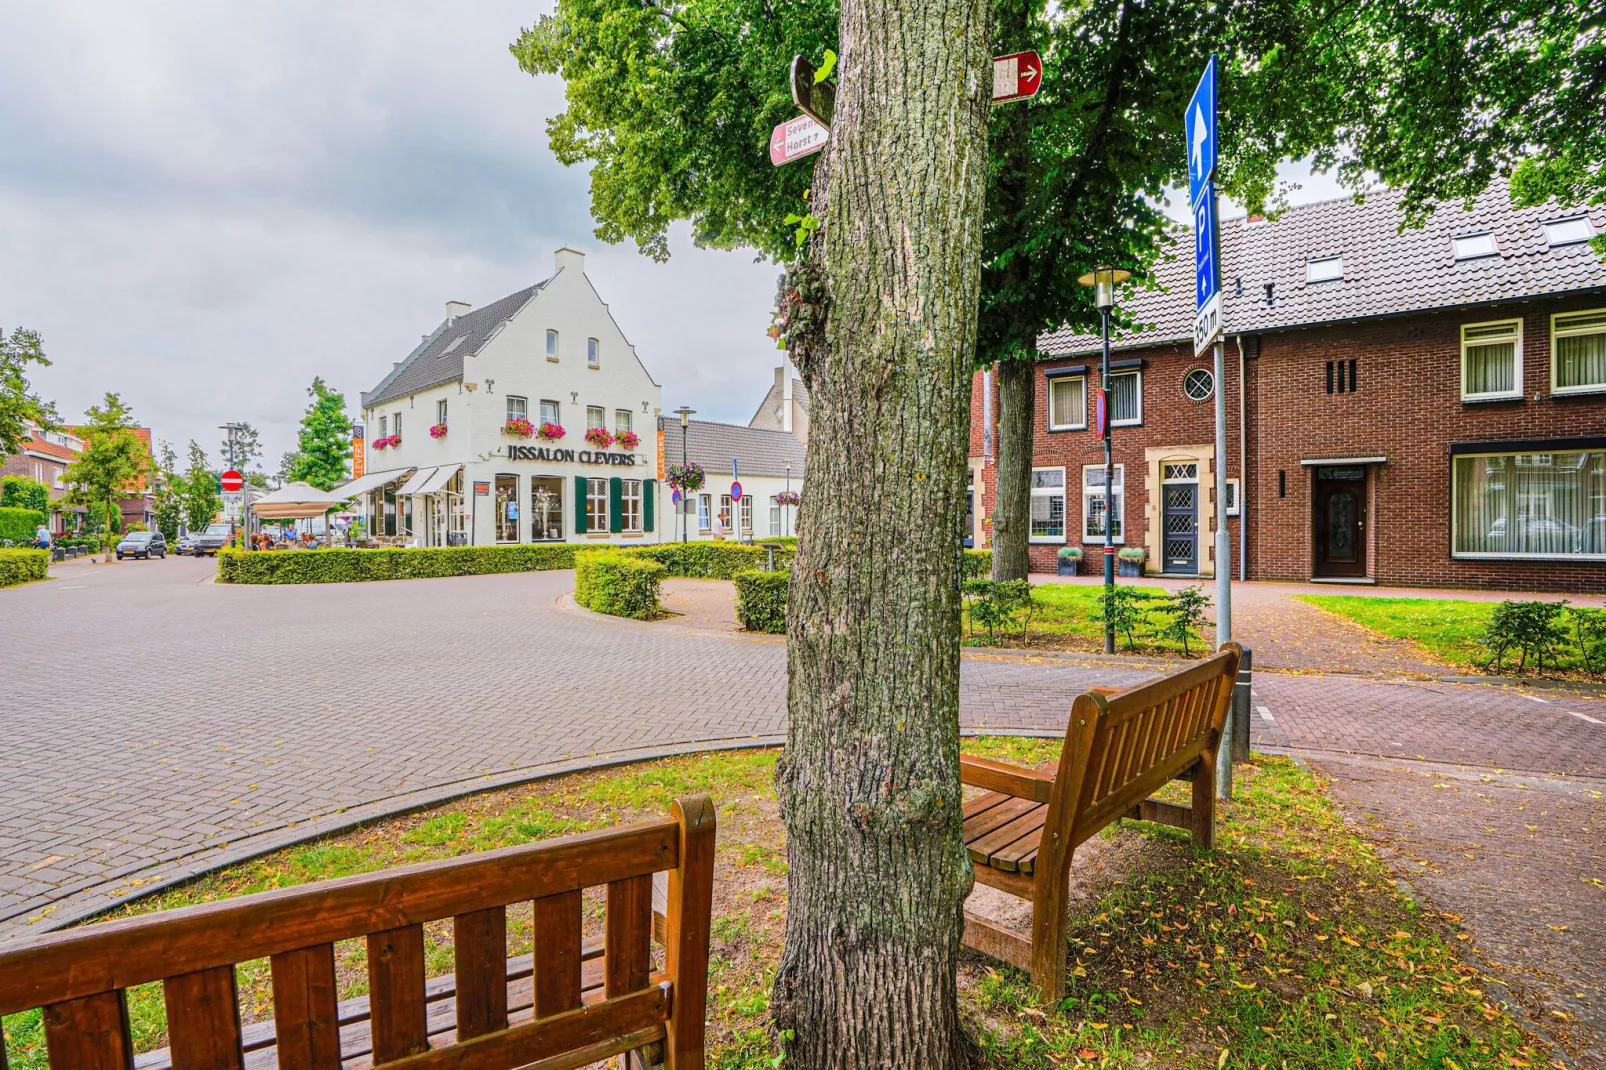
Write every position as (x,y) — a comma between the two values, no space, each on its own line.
(379,443)
(789,497)
(387,442)
(628,439)
(549,432)
(518,428)
(686,478)
(599,437)
(437,431)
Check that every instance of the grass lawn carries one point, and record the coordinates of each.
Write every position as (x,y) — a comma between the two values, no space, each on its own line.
(1067,618)
(1289,946)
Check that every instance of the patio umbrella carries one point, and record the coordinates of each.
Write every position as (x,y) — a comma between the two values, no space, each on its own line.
(295,501)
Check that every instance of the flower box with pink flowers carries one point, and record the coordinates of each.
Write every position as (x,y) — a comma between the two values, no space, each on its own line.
(549,432)
(628,439)
(599,437)
(518,428)
(437,431)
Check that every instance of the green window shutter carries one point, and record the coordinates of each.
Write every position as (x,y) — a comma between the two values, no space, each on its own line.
(646,504)
(616,493)
(579,505)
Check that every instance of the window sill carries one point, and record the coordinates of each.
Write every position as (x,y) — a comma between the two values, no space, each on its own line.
(1484,399)
(1470,556)
(1058,430)
(595,367)
(552,360)
(599,534)
(1578,391)
(1126,423)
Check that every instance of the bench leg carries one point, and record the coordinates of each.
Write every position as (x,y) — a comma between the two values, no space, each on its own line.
(1204,798)
(1048,936)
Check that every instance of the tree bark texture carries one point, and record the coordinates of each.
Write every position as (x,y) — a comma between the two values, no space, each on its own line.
(869,781)
(1012,496)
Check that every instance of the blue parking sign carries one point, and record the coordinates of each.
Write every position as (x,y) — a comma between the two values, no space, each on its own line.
(1199,127)
(1207,276)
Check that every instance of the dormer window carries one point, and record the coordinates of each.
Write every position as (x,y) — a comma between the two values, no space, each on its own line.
(1475,246)
(1324,268)
(1569,231)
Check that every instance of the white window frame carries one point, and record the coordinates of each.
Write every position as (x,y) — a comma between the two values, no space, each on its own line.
(596,416)
(775,517)
(1565,332)
(593,353)
(1455,246)
(384,427)
(552,345)
(1516,356)
(630,505)
(1080,423)
(1324,269)
(1050,492)
(517,408)
(704,510)
(1089,492)
(395,425)
(1589,228)
(1235,498)
(744,514)
(1502,555)
(1138,420)
(597,505)
(557,411)
(621,421)
(440,410)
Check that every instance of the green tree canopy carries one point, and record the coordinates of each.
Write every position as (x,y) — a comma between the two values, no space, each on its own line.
(112,465)
(19,406)
(169,492)
(202,499)
(20,492)
(324,445)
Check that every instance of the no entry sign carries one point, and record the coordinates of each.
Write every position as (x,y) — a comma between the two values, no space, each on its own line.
(231,481)
(795,139)
(1017,76)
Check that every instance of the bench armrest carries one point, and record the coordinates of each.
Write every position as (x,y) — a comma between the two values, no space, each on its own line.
(1009,779)
(1107,692)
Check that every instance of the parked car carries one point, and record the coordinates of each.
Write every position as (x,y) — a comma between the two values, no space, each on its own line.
(186,544)
(146,544)
(213,539)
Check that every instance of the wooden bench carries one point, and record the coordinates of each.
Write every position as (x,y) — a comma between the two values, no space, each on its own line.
(1119,747)
(570,1003)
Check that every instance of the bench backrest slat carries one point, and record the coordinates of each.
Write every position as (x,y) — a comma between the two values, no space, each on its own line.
(396,992)
(306,1013)
(628,939)
(203,1021)
(479,941)
(557,955)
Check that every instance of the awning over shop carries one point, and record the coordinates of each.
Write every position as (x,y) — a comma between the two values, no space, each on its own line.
(364,484)
(413,485)
(442,476)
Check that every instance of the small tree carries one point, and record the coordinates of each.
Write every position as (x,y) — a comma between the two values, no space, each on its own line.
(20,492)
(1184,613)
(19,407)
(1122,608)
(324,446)
(169,492)
(113,462)
(202,500)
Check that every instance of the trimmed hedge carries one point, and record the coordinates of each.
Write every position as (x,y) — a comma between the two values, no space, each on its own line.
(20,566)
(976,565)
(761,600)
(392,563)
(618,583)
(18,525)
(712,560)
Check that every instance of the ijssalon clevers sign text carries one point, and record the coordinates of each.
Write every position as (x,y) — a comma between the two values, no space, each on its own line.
(554,453)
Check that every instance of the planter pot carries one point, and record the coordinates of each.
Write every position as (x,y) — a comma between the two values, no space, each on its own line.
(1070,566)
(1129,568)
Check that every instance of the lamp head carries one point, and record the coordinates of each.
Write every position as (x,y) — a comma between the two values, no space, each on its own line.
(685,415)
(1104,279)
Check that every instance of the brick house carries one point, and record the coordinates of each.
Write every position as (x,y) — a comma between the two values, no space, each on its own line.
(43,458)
(1417,408)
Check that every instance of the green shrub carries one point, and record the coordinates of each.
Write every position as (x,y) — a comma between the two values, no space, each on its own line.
(392,563)
(619,583)
(20,492)
(1589,626)
(975,565)
(718,560)
(1184,615)
(998,605)
(1532,629)
(20,566)
(18,525)
(761,600)
(1122,608)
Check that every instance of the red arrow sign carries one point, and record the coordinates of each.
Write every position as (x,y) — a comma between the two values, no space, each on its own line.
(797,138)
(1017,77)
(232,481)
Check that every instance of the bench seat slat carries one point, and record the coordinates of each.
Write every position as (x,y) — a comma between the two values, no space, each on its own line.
(1025,830)
(996,817)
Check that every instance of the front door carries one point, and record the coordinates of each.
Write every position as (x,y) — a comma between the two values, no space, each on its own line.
(1338,521)
(1180,521)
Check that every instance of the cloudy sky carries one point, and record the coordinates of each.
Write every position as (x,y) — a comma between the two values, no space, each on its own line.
(202,206)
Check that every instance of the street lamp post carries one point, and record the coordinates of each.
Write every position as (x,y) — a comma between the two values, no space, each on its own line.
(1103,279)
(685,413)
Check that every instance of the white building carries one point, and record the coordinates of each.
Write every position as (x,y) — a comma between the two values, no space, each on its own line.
(768,463)
(453,442)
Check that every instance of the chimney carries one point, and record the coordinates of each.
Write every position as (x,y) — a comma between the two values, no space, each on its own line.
(786,395)
(455,309)
(567,257)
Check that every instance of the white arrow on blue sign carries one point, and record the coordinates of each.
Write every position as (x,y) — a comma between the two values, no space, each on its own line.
(1205,272)
(1199,122)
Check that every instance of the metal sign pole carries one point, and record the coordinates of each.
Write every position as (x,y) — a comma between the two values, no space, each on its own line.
(1109,488)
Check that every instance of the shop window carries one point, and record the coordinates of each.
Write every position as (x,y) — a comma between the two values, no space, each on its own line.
(1491,360)
(595,417)
(1094,504)
(1067,403)
(1048,505)
(546,509)
(518,408)
(621,421)
(551,412)
(507,508)
(440,411)
(630,504)
(1341,377)
(596,505)
(1529,505)
(1126,398)
(552,345)
(705,504)
(387,519)
(593,353)
(1578,352)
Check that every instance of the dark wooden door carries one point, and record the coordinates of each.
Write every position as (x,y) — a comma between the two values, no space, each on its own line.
(1181,526)
(1338,521)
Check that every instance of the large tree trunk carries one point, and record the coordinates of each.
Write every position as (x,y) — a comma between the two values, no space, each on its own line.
(1012,497)
(869,781)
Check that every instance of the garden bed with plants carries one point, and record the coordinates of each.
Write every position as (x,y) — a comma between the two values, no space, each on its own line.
(1053,616)
(1522,637)
(1290,946)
